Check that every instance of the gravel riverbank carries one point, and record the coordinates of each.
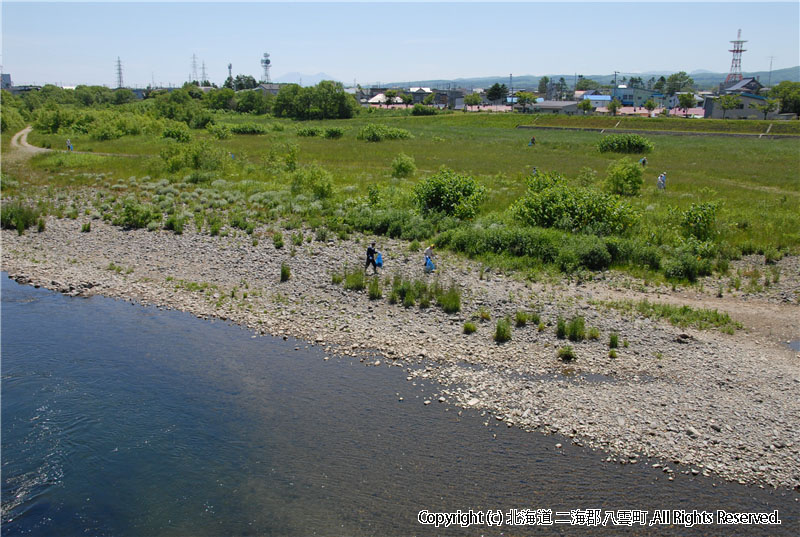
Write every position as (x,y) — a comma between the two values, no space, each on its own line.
(698,401)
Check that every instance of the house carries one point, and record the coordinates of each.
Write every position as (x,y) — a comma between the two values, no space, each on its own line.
(6,81)
(746,85)
(744,110)
(269,89)
(598,100)
(632,96)
(419,94)
(555,107)
(381,99)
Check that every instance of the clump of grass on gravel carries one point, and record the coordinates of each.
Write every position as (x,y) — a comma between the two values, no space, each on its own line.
(682,316)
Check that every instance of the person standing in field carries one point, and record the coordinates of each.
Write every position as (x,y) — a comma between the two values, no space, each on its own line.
(532,142)
(428,253)
(371,259)
(69,145)
(643,162)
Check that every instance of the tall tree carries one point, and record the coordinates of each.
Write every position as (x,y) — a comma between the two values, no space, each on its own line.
(585,105)
(659,84)
(614,106)
(525,98)
(650,105)
(543,85)
(678,82)
(497,92)
(788,93)
(686,101)
(586,84)
(770,105)
(728,102)
(390,96)
(473,99)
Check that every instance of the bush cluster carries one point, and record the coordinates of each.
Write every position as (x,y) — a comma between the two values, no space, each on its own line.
(450,193)
(377,132)
(313,179)
(422,110)
(137,215)
(309,131)
(625,143)
(551,203)
(624,177)
(16,215)
(403,166)
(248,128)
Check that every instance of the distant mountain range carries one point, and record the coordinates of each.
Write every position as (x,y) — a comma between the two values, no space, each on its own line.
(703,79)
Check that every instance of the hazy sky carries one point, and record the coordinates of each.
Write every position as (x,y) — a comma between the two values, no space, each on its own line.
(78,43)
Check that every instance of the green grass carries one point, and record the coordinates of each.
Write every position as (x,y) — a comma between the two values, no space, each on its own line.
(754,180)
(682,316)
(502,332)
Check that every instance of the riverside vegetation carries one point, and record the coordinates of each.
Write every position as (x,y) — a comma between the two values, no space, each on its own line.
(460,180)
(177,180)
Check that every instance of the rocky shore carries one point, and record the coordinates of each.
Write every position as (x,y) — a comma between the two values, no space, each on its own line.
(692,402)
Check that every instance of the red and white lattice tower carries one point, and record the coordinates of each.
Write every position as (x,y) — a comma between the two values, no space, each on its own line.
(736,63)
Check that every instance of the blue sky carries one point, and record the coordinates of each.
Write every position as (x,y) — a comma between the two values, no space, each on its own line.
(72,43)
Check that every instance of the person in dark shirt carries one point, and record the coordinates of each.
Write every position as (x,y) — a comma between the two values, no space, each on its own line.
(371,259)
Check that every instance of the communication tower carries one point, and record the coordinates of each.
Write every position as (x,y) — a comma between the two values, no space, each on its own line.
(265,63)
(203,75)
(119,73)
(194,67)
(736,64)
(230,70)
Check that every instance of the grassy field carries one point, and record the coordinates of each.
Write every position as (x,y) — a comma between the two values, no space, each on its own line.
(755,182)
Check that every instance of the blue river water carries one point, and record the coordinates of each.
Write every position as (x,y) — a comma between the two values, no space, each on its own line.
(123,420)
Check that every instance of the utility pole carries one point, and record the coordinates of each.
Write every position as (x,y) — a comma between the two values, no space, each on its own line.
(769,81)
(615,78)
(119,73)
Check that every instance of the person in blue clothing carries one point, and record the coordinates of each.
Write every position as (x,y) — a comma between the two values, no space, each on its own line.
(371,259)
(429,265)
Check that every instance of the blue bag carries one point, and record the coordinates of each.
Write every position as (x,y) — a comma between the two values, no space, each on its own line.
(379,260)
(429,266)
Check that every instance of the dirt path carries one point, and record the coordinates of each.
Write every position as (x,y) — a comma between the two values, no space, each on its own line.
(23,150)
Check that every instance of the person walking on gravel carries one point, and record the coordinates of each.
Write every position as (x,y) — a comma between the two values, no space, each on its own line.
(371,259)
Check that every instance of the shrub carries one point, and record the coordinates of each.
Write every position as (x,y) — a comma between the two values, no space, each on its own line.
(321,234)
(521,319)
(177,131)
(337,278)
(422,110)
(576,329)
(333,133)
(313,179)
(594,333)
(551,203)
(502,331)
(354,280)
(699,221)
(16,215)
(309,131)
(86,228)
(285,272)
(220,132)
(403,166)
(449,193)
(561,328)
(450,300)
(566,353)
(624,177)
(248,128)
(625,143)
(469,327)
(175,223)
(375,291)
(136,215)
(277,240)
(373,132)
(613,340)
